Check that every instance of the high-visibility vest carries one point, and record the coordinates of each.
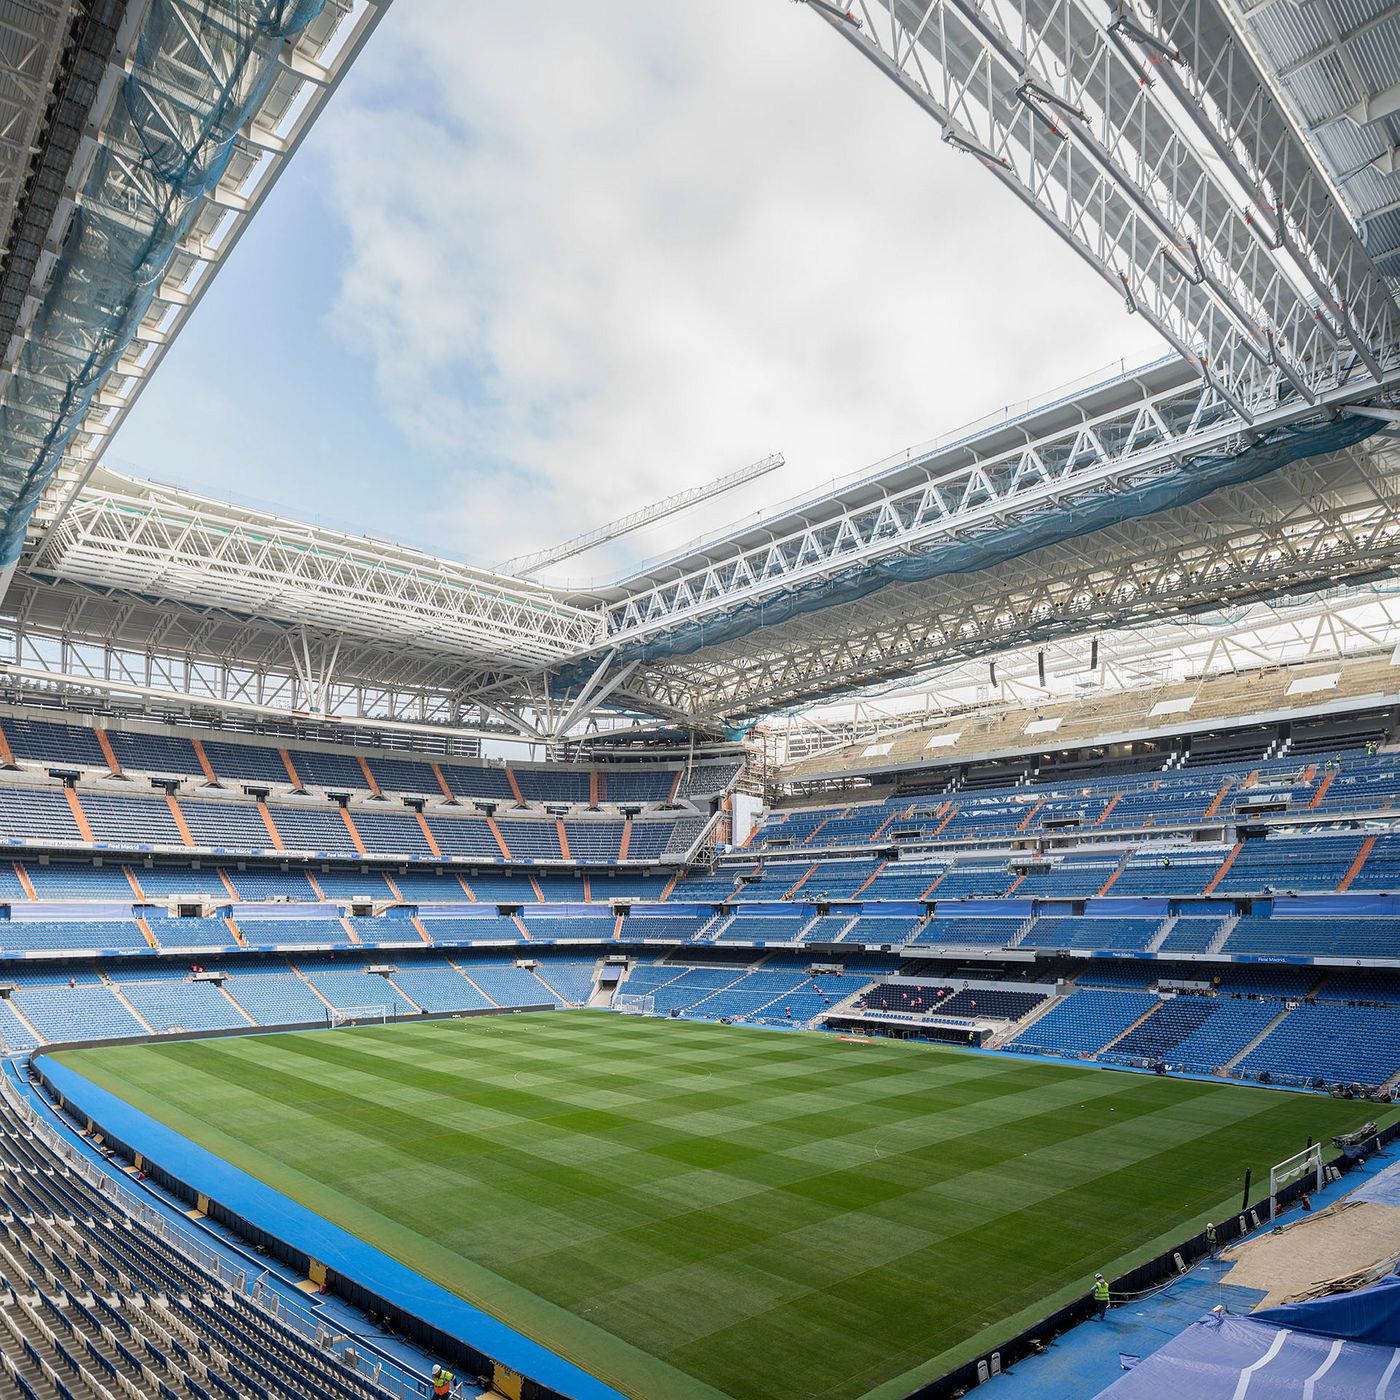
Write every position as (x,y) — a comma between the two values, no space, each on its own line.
(443,1384)
(1100,1291)
(1210,1234)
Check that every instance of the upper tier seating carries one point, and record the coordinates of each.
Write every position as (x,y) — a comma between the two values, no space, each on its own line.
(1342,935)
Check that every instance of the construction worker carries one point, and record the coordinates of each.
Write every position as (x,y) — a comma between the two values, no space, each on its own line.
(1100,1296)
(442,1382)
(1210,1237)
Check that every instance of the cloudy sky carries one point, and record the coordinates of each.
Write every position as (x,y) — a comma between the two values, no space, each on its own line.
(539,265)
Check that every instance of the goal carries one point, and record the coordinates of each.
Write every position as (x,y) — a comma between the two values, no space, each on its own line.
(635,1005)
(357,1015)
(1299,1167)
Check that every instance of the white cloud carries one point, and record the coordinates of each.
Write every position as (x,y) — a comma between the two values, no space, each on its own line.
(603,252)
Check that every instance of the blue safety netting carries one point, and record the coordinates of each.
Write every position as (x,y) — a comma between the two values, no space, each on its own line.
(1182,484)
(200,69)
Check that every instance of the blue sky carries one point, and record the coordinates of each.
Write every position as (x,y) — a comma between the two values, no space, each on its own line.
(532,270)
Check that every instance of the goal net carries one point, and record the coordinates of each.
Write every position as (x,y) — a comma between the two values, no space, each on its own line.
(357,1015)
(635,1005)
(1302,1166)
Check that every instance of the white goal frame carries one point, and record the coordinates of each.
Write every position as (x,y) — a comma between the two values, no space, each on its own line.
(342,1016)
(1293,1168)
(643,1004)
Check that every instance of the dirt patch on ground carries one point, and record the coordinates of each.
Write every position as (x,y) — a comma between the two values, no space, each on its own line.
(1296,1260)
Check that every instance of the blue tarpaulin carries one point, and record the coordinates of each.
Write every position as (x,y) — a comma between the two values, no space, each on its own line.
(1368,1315)
(1338,1348)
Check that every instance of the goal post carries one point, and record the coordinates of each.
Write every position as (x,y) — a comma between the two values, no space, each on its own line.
(635,1005)
(1299,1167)
(358,1016)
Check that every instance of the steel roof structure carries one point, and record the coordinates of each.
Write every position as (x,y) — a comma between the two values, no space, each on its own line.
(1226,166)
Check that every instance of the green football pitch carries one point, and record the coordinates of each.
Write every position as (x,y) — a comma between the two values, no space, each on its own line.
(694,1210)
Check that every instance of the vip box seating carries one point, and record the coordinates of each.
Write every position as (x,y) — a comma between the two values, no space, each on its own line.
(987,1003)
(991,1003)
(1084,1022)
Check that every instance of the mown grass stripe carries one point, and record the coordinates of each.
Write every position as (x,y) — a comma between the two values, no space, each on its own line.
(780,1216)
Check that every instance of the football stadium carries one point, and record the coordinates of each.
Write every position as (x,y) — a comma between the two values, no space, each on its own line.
(941,931)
